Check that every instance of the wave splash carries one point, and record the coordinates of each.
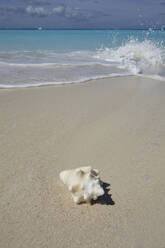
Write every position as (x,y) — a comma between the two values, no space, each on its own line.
(25,69)
(137,57)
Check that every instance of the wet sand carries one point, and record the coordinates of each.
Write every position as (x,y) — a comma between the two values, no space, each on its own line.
(116,125)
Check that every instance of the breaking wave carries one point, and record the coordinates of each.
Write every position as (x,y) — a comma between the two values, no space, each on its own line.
(136,57)
(37,68)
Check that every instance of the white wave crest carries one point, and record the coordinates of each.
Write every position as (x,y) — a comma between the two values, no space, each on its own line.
(136,57)
(27,69)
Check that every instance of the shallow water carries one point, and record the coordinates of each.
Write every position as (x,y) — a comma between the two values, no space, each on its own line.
(42,57)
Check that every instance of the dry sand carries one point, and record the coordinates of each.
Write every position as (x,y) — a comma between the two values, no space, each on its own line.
(116,125)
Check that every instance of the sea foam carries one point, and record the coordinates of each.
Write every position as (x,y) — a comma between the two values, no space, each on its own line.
(133,57)
(136,57)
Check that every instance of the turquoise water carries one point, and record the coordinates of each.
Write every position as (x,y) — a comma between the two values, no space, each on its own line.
(40,57)
(68,40)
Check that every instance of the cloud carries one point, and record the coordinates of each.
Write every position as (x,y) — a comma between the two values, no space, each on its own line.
(29,10)
(6,10)
(39,2)
(59,10)
(71,13)
(36,11)
(66,12)
(162,3)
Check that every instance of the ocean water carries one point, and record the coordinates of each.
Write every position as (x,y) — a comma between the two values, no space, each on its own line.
(46,57)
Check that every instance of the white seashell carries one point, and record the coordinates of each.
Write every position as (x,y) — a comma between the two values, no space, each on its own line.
(83,183)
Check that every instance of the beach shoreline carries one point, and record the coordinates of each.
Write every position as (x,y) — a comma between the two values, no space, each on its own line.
(116,125)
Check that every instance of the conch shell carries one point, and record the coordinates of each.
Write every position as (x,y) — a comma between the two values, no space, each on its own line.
(83,183)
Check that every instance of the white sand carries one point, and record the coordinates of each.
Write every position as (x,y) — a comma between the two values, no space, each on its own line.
(116,125)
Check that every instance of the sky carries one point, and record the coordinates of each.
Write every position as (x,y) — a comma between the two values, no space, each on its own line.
(82,13)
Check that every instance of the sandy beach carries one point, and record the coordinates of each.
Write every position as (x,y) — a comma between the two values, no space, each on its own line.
(116,125)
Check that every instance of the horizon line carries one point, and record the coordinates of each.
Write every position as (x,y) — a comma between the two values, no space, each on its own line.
(42,28)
